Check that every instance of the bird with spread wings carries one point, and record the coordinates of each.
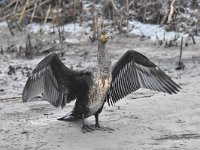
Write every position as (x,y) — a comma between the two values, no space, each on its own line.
(91,90)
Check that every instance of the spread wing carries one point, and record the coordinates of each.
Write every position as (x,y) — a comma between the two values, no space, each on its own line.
(134,71)
(58,84)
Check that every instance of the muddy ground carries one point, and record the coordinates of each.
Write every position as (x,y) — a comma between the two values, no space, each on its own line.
(143,120)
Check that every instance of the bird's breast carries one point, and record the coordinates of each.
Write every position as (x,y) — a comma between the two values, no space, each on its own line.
(98,92)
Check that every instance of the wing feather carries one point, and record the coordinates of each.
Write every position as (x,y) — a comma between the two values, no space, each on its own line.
(58,84)
(125,80)
(134,71)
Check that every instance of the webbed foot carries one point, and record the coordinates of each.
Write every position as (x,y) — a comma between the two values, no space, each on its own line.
(68,117)
(87,128)
(101,128)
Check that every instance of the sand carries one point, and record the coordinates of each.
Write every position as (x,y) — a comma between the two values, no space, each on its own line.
(143,120)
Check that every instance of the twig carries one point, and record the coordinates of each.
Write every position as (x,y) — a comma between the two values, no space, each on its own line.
(180,64)
(10,28)
(9,5)
(159,41)
(28,10)
(142,97)
(131,3)
(23,11)
(74,12)
(18,26)
(181,50)
(94,23)
(127,13)
(33,13)
(40,4)
(144,14)
(114,6)
(28,50)
(194,42)
(39,17)
(17,2)
(176,37)
(171,12)
(141,33)
(9,98)
(48,11)
(164,36)
(61,38)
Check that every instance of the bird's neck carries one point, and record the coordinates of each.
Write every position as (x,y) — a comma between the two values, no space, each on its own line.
(103,58)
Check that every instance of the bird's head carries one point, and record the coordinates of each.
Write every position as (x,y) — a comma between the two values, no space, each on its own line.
(104,36)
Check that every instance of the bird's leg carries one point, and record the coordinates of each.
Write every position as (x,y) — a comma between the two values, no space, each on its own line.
(97,121)
(72,116)
(86,128)
(98,127)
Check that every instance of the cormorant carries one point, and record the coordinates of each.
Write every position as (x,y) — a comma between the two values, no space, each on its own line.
(60,85)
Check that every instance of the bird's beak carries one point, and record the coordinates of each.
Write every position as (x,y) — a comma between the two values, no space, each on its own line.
(105,38)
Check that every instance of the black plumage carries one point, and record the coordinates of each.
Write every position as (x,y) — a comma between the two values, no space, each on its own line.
(134,71)
(60,85)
